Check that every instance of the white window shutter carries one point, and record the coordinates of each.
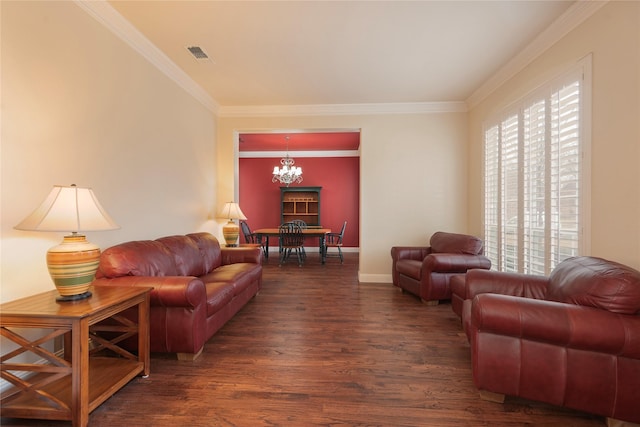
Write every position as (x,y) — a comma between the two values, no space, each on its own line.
(533,178)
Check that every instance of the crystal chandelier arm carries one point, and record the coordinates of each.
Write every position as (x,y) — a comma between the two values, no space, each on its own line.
(288,173)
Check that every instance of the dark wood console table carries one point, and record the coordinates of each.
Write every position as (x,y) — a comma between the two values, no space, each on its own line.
(69,387)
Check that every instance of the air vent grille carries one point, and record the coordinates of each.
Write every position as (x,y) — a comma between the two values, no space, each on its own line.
(198,53)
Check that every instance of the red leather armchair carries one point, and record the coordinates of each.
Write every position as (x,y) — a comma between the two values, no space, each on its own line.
(425,271)
(572,339)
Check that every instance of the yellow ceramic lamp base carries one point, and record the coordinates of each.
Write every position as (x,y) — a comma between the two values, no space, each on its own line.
(72,266)
(230,232)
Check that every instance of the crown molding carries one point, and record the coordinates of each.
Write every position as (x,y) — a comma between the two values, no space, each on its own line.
(342,109)
(570,19)
(104,13)
(297,154)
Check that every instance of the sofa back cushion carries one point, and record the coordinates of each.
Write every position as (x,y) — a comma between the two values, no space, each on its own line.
(210,253)
(452,243)
(596,282)
(137,258)
(186,255)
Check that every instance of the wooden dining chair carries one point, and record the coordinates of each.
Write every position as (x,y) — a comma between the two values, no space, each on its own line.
(303,225)
(252,238)
(334,240)
(291,238)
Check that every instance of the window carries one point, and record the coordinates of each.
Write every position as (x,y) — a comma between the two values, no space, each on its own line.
(536,177)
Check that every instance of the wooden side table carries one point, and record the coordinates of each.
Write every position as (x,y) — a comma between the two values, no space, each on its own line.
(72,386)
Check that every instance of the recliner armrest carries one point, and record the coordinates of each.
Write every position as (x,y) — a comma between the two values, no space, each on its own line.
(416,253)
(497,282)
(454,263)
(410,252)
(559,324)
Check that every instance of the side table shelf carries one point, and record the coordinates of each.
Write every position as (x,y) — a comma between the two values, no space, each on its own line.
(106,376)
(71,386)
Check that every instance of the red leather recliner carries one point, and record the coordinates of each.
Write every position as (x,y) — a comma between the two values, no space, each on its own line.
(572,339)
(425,271)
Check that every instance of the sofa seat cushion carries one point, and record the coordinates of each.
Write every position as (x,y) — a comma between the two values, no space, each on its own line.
(596,282)
(240,275)
(218,295)
(410,268)
(138,258)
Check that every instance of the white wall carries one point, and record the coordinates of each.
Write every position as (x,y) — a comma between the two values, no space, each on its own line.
(612,36)
(413,174)
(80,106)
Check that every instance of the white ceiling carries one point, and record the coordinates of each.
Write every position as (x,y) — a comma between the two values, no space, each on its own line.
(266,53)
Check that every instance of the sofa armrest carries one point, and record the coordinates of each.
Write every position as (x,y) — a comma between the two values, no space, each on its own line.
(234,255)
(559,324)
(168,291)
(454,263)
(496,282)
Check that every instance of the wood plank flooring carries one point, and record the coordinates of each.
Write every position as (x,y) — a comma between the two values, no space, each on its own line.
(317,348)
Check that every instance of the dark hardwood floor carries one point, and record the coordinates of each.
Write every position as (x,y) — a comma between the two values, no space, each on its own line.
(317,348)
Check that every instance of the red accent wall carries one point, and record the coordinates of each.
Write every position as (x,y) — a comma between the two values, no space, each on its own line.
(339,178)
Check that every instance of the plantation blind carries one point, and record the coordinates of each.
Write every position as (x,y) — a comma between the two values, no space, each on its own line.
(534,178)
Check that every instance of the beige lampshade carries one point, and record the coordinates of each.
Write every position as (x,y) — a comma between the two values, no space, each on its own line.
(70,209)
(231,210)
(73,263)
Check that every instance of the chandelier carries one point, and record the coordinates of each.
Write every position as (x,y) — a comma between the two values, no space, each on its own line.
(287,173)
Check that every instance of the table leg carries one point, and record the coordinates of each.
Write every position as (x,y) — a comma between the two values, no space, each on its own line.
(143,335)
(323,249)
(67,346)
(266,252)
(80,373)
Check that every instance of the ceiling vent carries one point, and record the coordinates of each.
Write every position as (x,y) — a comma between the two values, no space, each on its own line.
(198,53)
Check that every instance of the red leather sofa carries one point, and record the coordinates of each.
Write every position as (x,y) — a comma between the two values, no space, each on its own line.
(197,285)
(571,339)
(425,271)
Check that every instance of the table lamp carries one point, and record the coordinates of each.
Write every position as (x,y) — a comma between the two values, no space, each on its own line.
(231,230)
(73,263)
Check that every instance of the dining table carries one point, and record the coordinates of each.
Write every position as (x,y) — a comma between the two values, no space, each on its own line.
(318,232)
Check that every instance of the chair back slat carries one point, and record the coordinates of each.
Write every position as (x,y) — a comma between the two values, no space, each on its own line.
(344,226)
(299,222)
(291,235)
(246,230)
(334,240)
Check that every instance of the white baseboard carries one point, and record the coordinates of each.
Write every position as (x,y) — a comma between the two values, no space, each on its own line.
(375,278)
